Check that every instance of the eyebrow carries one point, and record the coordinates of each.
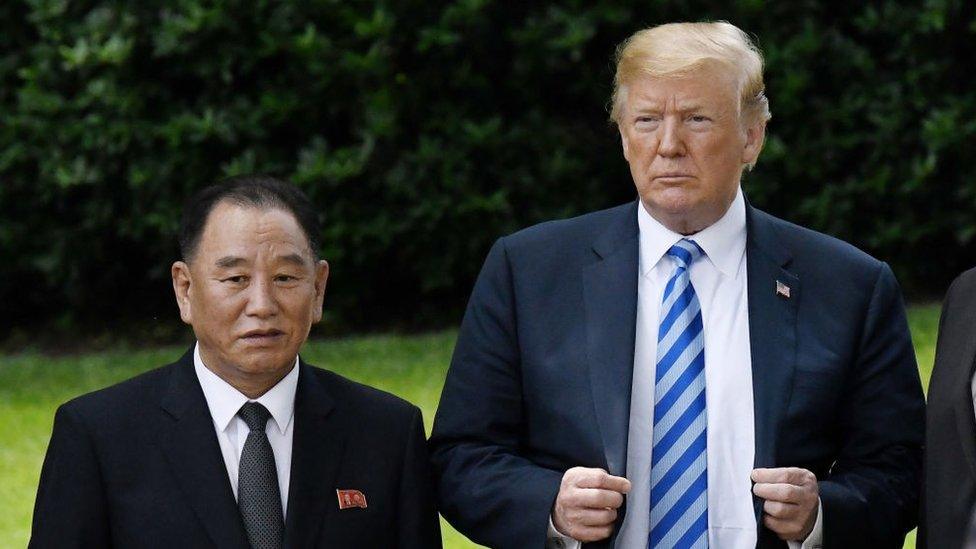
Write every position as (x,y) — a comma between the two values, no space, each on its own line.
(682,107)
(292,258)
(230,261)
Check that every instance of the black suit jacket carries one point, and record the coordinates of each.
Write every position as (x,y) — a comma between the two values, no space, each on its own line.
(950,453)
(541,378)
(138,465)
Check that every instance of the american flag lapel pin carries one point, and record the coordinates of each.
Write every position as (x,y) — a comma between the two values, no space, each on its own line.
(349,499)
(782,289)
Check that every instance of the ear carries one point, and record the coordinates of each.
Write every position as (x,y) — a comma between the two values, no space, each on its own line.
(755,139)
(321,277)
(624,142)
(182,288)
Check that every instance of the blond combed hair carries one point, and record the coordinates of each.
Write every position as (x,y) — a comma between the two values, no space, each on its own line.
(677,49)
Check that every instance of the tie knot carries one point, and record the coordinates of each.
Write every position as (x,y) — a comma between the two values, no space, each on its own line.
(685,252)
(255,415)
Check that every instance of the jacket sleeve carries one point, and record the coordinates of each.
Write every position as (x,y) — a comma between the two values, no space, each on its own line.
(485,487)
(418,524)
(70,511)
(871,495)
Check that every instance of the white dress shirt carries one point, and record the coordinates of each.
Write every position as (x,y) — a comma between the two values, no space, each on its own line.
(224,401)
(720,282)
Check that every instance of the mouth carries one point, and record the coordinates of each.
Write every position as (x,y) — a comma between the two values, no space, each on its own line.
(667,178)
(262,336)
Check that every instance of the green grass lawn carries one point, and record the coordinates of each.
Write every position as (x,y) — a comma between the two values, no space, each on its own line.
(32,386)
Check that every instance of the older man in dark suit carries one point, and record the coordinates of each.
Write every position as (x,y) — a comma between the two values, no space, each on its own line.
(240,443)
(684,370)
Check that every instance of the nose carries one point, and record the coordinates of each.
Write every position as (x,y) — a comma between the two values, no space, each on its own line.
(261,301)
(671,143)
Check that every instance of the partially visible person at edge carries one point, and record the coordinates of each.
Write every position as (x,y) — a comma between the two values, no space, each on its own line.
(684,370)
(240,442)
(949,493)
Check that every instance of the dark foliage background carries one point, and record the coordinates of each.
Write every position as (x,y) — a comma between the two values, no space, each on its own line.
(424,130)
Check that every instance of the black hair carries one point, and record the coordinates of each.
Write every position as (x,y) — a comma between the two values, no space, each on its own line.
(256,191)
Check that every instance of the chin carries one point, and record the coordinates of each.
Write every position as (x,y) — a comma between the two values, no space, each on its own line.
(264,361)
(681,216)
(673,204)
(260,369)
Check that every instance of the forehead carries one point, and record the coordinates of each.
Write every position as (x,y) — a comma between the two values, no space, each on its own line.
(703,87)
(241,230)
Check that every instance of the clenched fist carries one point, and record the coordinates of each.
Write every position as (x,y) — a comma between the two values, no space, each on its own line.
(792,500)
(587,504)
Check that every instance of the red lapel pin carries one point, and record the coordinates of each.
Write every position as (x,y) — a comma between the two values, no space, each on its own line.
(351,498)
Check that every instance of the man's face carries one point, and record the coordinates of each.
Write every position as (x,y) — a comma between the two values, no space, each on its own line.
(687,146)
(251,292)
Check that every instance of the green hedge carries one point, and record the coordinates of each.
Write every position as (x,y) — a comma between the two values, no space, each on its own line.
(424,130)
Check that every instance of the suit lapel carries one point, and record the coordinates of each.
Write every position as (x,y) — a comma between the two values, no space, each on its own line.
(317,449)
(189,442)
(610,301)
(773,293)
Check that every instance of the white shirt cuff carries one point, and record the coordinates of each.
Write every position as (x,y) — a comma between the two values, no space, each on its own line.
(555,540)
(815,539)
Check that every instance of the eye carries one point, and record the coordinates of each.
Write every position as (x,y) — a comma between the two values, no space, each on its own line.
(699,118)
(287,279)
(236,279)
(647,122)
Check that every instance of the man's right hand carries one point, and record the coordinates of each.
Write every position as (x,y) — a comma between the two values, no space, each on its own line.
(587,503)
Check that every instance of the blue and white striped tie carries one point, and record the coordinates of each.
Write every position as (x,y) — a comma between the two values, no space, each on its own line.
(679,479)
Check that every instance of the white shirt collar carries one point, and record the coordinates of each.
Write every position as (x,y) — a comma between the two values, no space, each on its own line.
(724,241)
(224,400)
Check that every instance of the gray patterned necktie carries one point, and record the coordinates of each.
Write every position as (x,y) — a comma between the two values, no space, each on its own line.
(258,497)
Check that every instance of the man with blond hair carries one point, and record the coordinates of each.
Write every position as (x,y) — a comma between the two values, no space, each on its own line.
(684,370)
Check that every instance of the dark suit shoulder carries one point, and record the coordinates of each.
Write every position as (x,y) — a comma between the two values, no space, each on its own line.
(122,401)
(364,400)
(955,326)
(810,247)
(964,284)
(583,227)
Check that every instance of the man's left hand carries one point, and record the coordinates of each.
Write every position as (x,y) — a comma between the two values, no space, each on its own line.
(792,499)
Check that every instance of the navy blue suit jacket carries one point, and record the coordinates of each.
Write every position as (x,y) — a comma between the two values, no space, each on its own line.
(138,465)
(540,380)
